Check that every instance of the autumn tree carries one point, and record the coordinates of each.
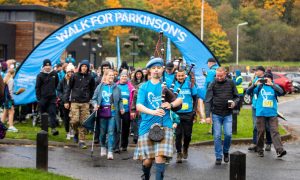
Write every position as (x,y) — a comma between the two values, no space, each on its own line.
(50,3)
(219,45)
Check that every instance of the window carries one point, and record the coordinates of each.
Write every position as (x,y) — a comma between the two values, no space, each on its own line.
(275,76)
(3,51)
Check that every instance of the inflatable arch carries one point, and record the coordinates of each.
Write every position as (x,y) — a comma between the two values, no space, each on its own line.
(52,47)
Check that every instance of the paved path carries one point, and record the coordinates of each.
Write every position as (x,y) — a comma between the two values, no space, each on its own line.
(78,163)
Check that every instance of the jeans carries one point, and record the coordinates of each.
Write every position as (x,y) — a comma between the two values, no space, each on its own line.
(107,127)
(218,121)
(268,134)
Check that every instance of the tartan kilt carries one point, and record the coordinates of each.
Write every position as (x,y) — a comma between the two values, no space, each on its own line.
(147,149)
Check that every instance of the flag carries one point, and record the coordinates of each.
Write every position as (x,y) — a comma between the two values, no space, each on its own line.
(169,50)
(118,54)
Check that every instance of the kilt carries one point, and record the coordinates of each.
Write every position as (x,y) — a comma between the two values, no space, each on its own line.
(147,149)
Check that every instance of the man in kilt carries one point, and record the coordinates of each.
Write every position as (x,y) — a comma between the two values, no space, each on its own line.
(149,104)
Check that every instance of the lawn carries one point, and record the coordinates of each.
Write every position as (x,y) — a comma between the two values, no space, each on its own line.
(30,174)
(200,131)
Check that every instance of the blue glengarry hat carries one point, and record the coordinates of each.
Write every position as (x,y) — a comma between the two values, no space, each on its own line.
(155,62)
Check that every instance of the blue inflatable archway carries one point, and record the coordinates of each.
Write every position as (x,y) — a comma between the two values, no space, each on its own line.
(52,47)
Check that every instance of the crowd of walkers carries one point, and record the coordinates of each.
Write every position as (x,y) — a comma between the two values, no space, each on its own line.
(140,100)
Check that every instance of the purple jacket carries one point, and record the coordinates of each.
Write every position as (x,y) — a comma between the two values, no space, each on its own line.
(131,93)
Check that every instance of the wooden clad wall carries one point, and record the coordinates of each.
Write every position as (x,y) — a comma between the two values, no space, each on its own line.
(24,38)
(42,30)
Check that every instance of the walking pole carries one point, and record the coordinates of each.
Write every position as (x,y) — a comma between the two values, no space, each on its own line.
(92,150)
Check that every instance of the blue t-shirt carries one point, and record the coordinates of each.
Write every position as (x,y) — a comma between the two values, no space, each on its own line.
(106,97)
(125,96)
(186,94)
(169,79)
(149,95)
(266,104)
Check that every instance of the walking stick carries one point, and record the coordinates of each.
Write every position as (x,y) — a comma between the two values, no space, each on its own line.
(92,150)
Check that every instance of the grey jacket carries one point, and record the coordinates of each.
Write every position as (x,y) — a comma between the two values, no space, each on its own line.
(117,99)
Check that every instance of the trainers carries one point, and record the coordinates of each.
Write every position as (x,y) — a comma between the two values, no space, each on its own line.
(68,136)
(103,151)
(218,161)
(268,147)
(71,133)
(117,151)
(75,138)
(185,154)
(110,156)
(82,145)
(12,129)
(282,153)
(252,147)
(179,158)
(226,157)
(260,154)
(123,149)
(54,132)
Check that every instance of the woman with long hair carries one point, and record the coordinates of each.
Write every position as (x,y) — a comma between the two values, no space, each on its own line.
(107,100)
(8,103)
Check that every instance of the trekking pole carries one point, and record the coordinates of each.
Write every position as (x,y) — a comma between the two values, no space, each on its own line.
(92,150)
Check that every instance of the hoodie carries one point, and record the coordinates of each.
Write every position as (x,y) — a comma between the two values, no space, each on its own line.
(46,84)
(81,86)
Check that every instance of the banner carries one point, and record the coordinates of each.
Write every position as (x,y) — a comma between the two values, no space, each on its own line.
(54,45)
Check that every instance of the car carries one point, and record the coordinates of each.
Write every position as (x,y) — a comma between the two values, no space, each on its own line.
(247,80)
(285,83)
(293,76)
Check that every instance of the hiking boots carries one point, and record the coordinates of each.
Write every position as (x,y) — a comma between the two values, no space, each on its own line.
(82,145)
(185,154)
(218,161)
(252,148)
(282,153)
(268,147)
(54,132)
(260,154)
(226,157)
(179,158)
(76,140)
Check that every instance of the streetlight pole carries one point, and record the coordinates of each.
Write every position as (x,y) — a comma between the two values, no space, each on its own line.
(237,41)
(202,19)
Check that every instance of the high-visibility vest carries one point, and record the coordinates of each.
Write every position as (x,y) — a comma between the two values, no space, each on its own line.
(239,87)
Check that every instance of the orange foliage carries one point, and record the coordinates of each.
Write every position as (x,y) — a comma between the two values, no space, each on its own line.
(49,3)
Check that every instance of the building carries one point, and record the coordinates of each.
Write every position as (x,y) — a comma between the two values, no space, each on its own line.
(22,27)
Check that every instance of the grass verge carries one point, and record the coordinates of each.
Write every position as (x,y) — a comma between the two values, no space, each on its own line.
(200,131)
(30,174)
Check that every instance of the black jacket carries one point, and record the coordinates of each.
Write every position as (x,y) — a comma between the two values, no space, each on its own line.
(62,89)
(81,88)
(46,84)
(217,96)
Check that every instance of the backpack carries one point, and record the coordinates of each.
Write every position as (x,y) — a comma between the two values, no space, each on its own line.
(3,130)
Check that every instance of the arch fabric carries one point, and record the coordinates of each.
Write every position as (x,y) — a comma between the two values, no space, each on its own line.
(191,47)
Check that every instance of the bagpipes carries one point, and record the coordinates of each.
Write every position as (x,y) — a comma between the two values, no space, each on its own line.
(167,95)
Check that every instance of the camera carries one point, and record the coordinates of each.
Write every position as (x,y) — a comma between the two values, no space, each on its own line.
(263,81)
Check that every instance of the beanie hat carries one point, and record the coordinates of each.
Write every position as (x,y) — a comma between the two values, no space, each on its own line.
(70,67)
(46,62)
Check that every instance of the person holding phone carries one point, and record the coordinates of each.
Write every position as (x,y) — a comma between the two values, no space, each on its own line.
(221,98)
(266,113)
(259,77)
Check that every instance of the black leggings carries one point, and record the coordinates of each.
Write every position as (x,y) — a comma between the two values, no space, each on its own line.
(125,119)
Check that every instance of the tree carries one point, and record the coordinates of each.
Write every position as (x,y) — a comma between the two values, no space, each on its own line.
(50,3)
(219,45)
